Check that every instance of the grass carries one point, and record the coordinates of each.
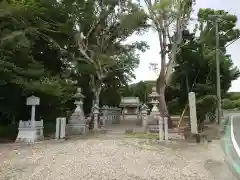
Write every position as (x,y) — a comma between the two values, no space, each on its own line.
(143,135)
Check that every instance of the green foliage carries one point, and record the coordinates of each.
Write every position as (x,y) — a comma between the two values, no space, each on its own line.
(228,104)
(31,46)
(233,95)
(140,89)
(100,40)
(8,132)
(204,105)
(39,54)
(237,103)
(196,65)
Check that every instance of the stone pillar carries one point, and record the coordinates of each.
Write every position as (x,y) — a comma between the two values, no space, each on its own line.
(193,113)
(33,113)
(60,128)
(123,113)
(41,130)
(144,116)
(95,116)
(166,128)
(110,115)
(160,127)
(57,133)
(63,128)
(104,120)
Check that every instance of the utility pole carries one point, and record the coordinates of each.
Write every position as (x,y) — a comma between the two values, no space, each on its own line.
(219,99)
(218,78)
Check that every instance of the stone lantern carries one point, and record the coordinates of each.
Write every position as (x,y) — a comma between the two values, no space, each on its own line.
(77,122)
(156,121)
(79,101)
(154,96)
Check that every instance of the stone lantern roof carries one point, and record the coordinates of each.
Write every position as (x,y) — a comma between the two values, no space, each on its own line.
(79,95)
(154,93)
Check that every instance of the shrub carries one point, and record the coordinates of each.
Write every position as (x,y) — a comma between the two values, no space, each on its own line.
(228,104)
(8,132)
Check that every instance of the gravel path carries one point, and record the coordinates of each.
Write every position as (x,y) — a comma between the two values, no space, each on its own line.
(111,159)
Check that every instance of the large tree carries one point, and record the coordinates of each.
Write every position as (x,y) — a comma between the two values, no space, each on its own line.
(168,18)
(196,61)
(103,27)
(31,54)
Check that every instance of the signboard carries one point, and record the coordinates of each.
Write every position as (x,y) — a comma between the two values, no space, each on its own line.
(33,101)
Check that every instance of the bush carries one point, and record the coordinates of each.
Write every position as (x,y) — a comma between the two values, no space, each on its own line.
(205,105)
(237,103)
(49,128)
(9,132)
(228,104)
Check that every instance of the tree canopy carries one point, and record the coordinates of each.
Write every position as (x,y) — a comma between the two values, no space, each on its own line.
(48,48)
(41,53)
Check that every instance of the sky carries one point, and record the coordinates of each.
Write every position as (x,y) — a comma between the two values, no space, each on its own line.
(152,55)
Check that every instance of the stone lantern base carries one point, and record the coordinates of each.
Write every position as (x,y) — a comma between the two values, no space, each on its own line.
(30,131)
(77,124)
(76,129)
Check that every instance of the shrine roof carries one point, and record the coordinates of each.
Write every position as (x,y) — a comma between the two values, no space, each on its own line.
(130,101)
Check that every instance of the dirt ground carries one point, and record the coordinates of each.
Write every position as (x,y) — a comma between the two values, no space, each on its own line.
(113,156)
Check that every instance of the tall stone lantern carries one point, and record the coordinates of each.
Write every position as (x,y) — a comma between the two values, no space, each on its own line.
(79,101)
(77,122)
(156,121)
(154,96)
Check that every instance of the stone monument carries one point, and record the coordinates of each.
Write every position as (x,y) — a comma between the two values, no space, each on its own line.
(31,130)
(77,122)
(193,112)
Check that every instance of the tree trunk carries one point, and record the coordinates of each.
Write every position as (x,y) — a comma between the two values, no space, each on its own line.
(13,120)
(162,104)
(97,95)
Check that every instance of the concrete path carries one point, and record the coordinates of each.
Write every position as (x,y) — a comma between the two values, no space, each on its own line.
(106,158)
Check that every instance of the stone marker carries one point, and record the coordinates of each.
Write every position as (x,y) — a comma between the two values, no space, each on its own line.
(193,113)
(63,128)
(165,128)
(160,127)
(32,130)
(60,128)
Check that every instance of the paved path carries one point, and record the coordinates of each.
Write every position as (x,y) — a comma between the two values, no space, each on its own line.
(106,158)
